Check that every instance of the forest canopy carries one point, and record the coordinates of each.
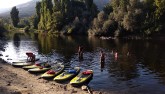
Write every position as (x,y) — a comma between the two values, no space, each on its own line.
(67,16)
(124,17)
(118,18)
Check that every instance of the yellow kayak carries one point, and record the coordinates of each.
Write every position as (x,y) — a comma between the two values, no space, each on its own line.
(37,65)
(40,69)
(67,74)
(82,78)
(56,70)
(21,64)
(30,67)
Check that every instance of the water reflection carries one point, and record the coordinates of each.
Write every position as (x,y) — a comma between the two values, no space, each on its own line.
(139,66)
(16,40)
(102,65)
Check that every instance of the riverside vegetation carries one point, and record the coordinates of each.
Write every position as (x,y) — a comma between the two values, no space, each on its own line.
(118,18)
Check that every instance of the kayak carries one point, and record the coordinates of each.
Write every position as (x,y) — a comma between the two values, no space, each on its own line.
(26,60)
(67,74)
(56,70)
(21,64)
(82,78)
(30,67)
(40,69)
(37,65)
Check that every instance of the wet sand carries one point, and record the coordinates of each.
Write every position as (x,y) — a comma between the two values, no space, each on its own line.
(18,81)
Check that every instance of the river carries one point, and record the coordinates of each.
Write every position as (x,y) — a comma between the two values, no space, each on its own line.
(139,67)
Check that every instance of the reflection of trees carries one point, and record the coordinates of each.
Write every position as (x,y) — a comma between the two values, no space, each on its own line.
(147,53)
(152,56)
(45,44)
(95,42)
(16,39)
(2,44)
(125,68)
(67,46)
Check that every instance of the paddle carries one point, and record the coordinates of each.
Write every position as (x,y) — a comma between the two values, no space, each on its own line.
(80,76)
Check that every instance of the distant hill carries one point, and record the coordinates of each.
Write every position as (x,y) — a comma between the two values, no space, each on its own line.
(28,9)
(25,10)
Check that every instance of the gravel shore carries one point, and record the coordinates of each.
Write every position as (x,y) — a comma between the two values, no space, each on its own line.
(18,81)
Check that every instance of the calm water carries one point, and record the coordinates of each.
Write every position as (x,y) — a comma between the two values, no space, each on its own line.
(140,72)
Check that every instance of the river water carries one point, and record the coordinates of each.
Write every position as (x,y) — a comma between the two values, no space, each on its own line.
(139,67)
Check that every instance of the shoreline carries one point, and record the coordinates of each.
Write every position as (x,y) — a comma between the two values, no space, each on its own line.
(18,81)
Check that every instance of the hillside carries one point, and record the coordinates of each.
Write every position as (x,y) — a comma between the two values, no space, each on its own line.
(25,10)
(28,9)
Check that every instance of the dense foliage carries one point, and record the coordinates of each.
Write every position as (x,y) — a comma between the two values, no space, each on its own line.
(118,18)
(14,16)
(125,17)
(69,16)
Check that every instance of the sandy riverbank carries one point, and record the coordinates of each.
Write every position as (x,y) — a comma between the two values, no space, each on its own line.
(18,81)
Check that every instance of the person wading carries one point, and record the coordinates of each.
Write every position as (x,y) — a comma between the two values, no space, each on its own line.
(102,57)
(102,60)
(80,52)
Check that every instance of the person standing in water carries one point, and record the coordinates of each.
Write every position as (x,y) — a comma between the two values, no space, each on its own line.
(116,56)
(102,60)
(102,57)
(80,51)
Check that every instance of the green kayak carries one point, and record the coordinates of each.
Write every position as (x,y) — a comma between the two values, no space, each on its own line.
(82,78)
(56,70)
(67,74)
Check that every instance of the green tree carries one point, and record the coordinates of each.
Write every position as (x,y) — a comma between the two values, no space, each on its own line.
(45,14)
(108,9)
(38,8)
(36,19)
(88,3)
(160,8)
(49,5)
(57,23)
(14,16)
(60,14)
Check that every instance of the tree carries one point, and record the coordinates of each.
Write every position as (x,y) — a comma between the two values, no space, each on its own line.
(49,5)
(160,8)
(14,16)
(57,15)
(45,14)
(89,3)
(108,9)
(34,21)
(38,7)
(57,22)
